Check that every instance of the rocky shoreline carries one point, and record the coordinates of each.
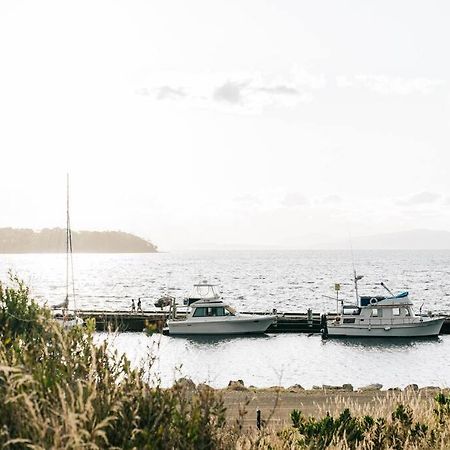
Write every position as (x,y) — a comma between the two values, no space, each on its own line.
(239,385)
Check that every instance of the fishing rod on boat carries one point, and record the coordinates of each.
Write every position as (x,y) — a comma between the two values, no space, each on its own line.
(390,292)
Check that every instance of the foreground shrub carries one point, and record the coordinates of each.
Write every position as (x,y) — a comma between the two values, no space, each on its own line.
(400,431)
(60,390)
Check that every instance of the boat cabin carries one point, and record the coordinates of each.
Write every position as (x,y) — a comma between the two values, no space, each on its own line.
(379,308)
(216,309)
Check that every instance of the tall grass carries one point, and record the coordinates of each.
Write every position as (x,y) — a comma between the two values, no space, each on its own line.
(424,427)
(60,390)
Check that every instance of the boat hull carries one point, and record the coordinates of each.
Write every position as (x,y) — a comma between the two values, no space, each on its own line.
(221,326)
(426,328)
(70,322)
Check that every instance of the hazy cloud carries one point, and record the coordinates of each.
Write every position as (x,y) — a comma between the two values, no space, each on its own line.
(279,90)
(169,92)
(306,79)
(245,91)
(331,199)
(422,198)
(162,92)
(247,200)
(262,93)
(142,91)
(343,81)
(231,92)
(389,85)
(293,199)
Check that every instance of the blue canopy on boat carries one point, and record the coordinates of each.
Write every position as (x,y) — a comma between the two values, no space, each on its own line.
(402,295)
(366,300)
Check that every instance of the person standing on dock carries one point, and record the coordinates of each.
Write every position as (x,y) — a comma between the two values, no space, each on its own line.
(133,306)
(139,305)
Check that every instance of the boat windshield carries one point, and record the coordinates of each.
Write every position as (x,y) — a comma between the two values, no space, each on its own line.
(229,311)
(212,311)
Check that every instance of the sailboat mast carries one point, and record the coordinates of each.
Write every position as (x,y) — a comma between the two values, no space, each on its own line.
(67,240)
(69,251)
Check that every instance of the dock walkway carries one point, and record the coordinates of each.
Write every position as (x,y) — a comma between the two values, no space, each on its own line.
(292,322)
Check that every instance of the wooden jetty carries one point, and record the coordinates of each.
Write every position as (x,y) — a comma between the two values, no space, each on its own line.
(293,322)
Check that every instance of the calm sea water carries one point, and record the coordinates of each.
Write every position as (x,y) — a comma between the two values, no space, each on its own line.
(259,280)
(288,359)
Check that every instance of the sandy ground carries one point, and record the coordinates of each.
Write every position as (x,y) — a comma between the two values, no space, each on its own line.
(276,405)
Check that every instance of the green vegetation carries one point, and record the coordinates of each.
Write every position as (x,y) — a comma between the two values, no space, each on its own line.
(376,433)
(406,428)
(54,241)
(58,389)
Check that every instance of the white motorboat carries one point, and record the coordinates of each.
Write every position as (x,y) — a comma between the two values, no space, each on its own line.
(382,316)
(208,315)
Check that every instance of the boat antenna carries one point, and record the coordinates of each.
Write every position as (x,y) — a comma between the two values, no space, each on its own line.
(169,274)
(356,277)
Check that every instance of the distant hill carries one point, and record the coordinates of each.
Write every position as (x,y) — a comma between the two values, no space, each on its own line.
(403,240)
(13,240)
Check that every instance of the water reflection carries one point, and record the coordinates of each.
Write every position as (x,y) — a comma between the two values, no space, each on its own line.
(219,339)
(382,343)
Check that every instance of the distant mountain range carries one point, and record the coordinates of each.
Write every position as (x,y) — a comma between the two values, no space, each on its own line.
(402,240)
(22,240)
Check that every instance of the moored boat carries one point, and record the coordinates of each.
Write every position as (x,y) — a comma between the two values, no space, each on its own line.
(382,316)
(208,314)
(68,319)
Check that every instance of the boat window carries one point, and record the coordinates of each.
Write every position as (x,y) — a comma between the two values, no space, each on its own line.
(376,312)
(200,312)
(351,310)
(219,311)
(407,313)
(395,311)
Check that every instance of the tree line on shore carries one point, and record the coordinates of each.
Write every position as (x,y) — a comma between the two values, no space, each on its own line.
(53,240)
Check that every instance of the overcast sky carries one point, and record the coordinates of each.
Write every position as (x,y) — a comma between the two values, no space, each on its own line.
(273,123)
